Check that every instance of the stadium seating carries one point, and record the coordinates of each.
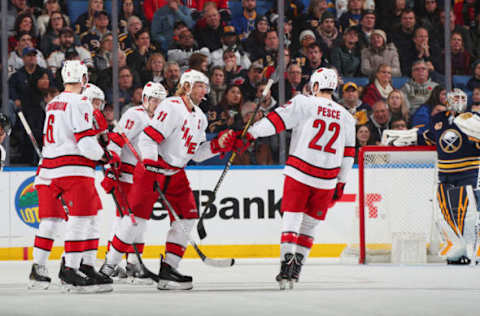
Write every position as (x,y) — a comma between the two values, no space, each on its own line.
(78,7)
(461,81)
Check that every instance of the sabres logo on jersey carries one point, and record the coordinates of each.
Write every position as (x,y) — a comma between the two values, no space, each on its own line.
(450,141)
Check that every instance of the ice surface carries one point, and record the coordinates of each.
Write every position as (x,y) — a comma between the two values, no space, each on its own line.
(248,289)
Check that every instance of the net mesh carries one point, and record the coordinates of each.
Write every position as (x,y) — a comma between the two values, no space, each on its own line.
(398,195)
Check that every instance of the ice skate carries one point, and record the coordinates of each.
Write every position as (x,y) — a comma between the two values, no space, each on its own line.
(171,279)
(138,275)
(119,275)
(39,278)
(295,270)
(75,282)
(463,260)
(285,266)
(107,269)
(103,282)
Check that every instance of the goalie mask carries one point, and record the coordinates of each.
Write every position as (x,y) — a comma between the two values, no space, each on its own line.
(325,78)
(154,90)
(92,92)
(5,124)
(457,101)
(73,71)
(193,76)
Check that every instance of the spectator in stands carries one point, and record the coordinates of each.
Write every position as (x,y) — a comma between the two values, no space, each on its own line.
(129,9)
(365,28)
(327,29)
(217,86)
(136,99)
(352,16)
(475,36)
(245,23)
(15,7)
(380,85)
(268,53)
(234,73)
(154,69)
(346,57)
(227,111)
(454,28)
(398,123)
(105,77)
(269,103)
(171,77)
(306,38)
(200,5)
(210,34)
(476,96)
(230,42)
(254,77)
(199,62)
(378,53)
(164,21)
(67,41)
(43,21)
(127,39)
(16,60)
(437,100)
(23,24)
(310,20)
(185,47)
(363,138)
(259,153)
(419,87)
(351,101)
(390,18)
(91,39)
(379,120)
(151,6)
(431,15)
(397,105)
(256,39)
(125,88)
(461,58)
(474,82)
(101,60)
(402,37)
(85,21)
(465,12)
(51,38)
(422,48)
(293,83)
(144,49)
(315,60)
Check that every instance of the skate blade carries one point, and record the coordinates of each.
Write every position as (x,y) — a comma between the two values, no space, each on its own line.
(283,284)
(141,281)
(117,280)
(291,284)
(104,288)
(37,285)
(69,288)
(171,285)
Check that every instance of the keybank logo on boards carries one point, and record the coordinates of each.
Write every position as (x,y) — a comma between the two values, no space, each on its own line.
(26,203)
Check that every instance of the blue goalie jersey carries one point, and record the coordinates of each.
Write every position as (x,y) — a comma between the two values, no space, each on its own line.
(458,154)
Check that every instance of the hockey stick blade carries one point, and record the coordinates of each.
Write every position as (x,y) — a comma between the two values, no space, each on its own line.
(202,233)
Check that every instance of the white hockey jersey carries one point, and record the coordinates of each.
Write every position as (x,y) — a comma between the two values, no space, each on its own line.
(70,146)
(3,157)
(132,123)
(175,135)
(322,147)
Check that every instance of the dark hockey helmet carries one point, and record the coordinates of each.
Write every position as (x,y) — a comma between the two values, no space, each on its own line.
(5,123)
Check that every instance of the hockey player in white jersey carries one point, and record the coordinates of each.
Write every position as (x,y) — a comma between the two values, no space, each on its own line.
(67,171)
(132,123)
(175,135)
(321,154)
(96,96)
(4,132)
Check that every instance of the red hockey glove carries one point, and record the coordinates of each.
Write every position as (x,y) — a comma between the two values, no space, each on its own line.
(111,158)
(242,144)
(223,143)
(109,182)
(100,123)
(337,194)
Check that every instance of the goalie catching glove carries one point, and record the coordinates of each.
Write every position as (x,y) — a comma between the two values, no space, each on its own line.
(391,137)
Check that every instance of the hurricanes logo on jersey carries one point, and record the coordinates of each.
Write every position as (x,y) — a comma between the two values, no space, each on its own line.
(450,141)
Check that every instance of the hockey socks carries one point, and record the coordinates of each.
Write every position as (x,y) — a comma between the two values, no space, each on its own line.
(177,241)
(123,239)
(44,239)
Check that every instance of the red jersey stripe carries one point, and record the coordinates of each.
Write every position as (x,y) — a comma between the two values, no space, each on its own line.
(312,170)
(175,249)
(62,161)
(43,243)
(277,121)
(117,139)
(154,134)
(87,133)
(127,168)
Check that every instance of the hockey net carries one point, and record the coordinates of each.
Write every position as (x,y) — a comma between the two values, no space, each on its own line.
(394,219)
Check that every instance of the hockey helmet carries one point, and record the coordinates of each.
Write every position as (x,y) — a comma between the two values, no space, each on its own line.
(457,101)
(154,90)
(92,92)
(73,71)
(325,78)
(5,124)
(192,76)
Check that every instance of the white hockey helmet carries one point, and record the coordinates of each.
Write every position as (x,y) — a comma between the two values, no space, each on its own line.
(192,76)
(457,101)
(325,78)
(154,90)
(92,92)
(73,71)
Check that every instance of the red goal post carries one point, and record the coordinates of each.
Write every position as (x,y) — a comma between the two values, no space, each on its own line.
(412,170)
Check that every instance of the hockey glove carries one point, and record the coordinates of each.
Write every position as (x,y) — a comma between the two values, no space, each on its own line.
(100,123)
(337,194)
(223,143)
(111,158)
(109,182)
(242,144)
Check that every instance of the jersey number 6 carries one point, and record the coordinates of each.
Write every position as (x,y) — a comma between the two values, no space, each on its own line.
(49,131)
(332,127)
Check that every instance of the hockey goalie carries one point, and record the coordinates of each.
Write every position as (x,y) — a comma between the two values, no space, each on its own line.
(456,135)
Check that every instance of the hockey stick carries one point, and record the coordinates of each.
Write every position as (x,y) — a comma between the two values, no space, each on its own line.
(212,262)
(202,233)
